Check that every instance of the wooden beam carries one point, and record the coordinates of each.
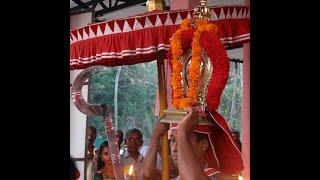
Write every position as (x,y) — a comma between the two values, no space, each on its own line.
(117,7)
(89,3)
(81,4)
(103,5)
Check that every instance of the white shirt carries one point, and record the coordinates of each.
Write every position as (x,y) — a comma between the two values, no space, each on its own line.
(143,151)
(127,160)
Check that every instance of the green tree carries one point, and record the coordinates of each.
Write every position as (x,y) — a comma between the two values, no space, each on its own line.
(231,100)
(136,92)
(137,85)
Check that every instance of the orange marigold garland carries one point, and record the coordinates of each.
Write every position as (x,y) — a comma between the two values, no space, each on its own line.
(181,100)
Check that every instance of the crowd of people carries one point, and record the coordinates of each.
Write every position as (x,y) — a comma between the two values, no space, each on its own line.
(205,156)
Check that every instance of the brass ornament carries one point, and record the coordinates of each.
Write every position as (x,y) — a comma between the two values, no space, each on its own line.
(206,70)
(202,11)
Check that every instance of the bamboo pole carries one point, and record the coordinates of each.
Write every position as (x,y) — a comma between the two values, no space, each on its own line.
(163,106)
(152,5)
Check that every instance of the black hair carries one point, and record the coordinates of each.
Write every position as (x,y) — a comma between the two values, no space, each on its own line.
(94,129)
(120,140)
(73,169)
(134,130)
(119,130)
(235,131)
(201,136)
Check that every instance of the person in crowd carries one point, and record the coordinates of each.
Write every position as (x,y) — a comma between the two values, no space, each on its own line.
(74,172)
(104,163)
(143,151)
(132,156)
(119,136)
(151,170)
(91,152)
(236,135)
(92,135)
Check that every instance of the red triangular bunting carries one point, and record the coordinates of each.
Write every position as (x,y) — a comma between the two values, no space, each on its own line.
(243,12)
(102,27)
(74,32)
(153,19)
(85,29)
(142,20)
(94,28)
(231,10)
(111,25)
(225,9)
(217,11)
(120,24)
(238,10)
(183,15)
(173,17)
(163,18)
(130,22)
(247,9)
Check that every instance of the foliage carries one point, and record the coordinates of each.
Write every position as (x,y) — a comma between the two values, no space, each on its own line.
(233,94)
(136,97)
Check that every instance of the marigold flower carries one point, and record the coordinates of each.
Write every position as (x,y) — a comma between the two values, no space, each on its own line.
(181,100)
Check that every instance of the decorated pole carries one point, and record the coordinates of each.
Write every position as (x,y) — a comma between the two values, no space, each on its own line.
(160,5)
(96,110)
(163,106)
(113,143)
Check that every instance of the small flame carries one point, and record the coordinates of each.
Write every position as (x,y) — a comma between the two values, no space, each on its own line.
(240,178)
(130,170)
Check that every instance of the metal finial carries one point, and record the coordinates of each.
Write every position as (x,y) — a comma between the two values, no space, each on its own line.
(202,11)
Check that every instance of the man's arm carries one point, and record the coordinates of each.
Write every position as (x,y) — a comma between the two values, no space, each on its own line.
(189,165)
(149,162)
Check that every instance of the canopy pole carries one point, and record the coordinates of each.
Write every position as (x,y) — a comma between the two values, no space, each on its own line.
(163,106)
(152,5)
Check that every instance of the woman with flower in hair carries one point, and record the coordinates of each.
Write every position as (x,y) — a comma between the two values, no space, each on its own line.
(104,164)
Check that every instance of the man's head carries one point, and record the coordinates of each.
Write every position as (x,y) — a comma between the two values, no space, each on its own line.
(92,135)
(119,136)
(199,141)
(235,134)
(174,145)
(200,144)
(133,140)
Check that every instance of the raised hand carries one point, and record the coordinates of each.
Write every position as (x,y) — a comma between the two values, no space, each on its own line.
(161,128)
(190,121)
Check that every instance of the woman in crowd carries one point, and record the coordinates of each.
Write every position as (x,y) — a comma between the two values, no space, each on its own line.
(104,164)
